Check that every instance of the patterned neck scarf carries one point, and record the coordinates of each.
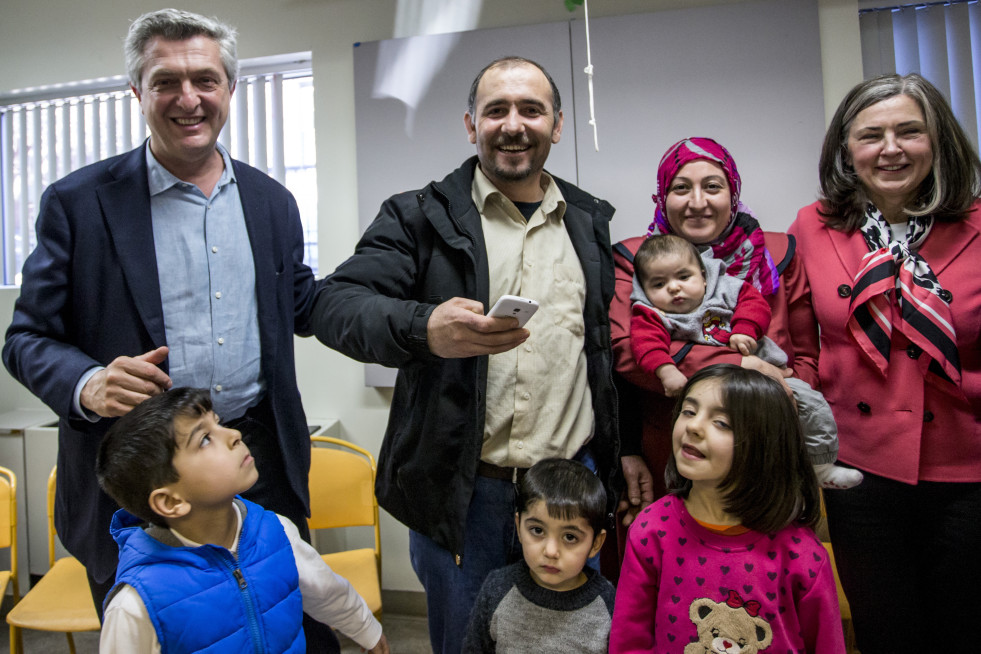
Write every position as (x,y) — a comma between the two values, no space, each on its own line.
(924,314)
(741,244)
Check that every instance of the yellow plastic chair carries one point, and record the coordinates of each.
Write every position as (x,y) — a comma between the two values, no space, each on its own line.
(8,530)
(342,494)
(61,600)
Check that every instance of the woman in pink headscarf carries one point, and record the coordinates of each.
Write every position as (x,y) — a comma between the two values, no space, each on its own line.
(698,187)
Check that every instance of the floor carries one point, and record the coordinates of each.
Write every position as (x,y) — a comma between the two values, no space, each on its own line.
(407,634)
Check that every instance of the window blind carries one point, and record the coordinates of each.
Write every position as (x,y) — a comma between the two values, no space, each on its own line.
(48,133)
(939,40)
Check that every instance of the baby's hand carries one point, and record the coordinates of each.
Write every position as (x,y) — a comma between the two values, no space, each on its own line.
(672,379)
(745,345)
(380,648)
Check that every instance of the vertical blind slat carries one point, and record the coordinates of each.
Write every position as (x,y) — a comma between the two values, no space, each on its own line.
(278,145)
(65,140)
(242,126)
(21,190)
(79,159)
(35,187)
(261,157)
(110,106)
(974,13)
(126,122)
(7,193)
(95,129)
(904,32)
(962,89)
(871,37)
(887,43)
(931,30)
(50,144)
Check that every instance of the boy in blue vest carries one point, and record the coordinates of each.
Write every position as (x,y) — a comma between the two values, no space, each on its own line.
(201,569)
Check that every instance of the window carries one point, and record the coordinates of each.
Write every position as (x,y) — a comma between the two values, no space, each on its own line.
(47,133)
(939,40)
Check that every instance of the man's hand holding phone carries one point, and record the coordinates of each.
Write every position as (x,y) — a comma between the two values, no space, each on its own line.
(457,328)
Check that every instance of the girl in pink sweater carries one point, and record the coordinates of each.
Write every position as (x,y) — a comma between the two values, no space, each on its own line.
(727,562)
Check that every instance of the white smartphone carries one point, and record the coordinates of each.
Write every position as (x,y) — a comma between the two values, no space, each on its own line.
(518,307)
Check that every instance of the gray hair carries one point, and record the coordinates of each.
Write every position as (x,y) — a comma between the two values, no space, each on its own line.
(511,62)
(954,181)
(177,25)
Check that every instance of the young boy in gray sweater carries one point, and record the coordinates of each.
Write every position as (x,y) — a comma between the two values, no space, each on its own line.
(550,601)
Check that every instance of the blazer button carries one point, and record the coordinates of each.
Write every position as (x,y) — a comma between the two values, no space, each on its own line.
(928,416)
(864,408)
(844,290)
(946,296)
(913,351)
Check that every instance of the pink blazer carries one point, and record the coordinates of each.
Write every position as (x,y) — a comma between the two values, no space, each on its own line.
(899,426)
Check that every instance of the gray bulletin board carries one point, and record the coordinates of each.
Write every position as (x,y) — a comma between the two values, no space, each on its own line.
(747,74)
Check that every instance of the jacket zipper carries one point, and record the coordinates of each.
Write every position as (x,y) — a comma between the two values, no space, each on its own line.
(457,557)
(250,614)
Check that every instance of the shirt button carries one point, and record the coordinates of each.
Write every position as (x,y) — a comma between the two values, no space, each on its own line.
(218,295)
(521,445)
(946,296)
(218,388)
(527,348)
(844,290)
(928,416)
(221,341)
(864,408)
(526,396)
(214,248)
(913,351)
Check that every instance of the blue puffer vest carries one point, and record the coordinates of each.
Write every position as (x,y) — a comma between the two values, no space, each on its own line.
(201,599)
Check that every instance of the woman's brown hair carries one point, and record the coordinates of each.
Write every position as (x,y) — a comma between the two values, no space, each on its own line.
(947,193)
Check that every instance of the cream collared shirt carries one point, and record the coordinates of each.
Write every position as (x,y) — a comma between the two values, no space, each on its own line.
(539,404)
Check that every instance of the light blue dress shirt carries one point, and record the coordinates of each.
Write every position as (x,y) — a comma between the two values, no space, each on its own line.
(207,286)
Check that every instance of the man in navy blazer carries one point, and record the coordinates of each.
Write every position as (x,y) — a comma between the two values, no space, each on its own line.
(106,288)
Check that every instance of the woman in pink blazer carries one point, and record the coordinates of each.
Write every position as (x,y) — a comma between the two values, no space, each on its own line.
(891,253)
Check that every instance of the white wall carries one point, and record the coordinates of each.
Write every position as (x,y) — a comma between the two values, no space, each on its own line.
(62,41)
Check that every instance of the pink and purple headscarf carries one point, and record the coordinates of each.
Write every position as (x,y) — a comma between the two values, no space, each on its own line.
(741,244)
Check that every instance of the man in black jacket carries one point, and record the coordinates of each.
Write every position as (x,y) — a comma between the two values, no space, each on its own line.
(479,400)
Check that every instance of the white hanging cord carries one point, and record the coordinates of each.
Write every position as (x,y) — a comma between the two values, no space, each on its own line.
(589,75)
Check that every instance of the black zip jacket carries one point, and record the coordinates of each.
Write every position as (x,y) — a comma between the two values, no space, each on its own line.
(423,248)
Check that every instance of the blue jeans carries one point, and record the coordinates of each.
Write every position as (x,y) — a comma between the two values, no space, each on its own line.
(490,542)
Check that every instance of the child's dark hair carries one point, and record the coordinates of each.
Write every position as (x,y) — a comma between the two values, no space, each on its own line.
(659,245)
(136,455)
(569,489)
(771,482)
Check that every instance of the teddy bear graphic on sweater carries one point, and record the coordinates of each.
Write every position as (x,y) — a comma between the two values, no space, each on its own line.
(715,327)
(729,627)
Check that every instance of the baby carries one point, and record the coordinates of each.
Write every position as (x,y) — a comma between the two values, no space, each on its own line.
(680,295)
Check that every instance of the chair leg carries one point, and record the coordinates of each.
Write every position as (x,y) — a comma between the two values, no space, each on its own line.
(71,642)
(16,643)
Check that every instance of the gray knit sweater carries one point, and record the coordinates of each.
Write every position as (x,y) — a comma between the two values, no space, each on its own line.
(514,614)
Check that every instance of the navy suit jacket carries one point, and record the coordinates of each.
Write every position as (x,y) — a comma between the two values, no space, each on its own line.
(91,293)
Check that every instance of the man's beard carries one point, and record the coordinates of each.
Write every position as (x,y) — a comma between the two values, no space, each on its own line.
(515,174)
